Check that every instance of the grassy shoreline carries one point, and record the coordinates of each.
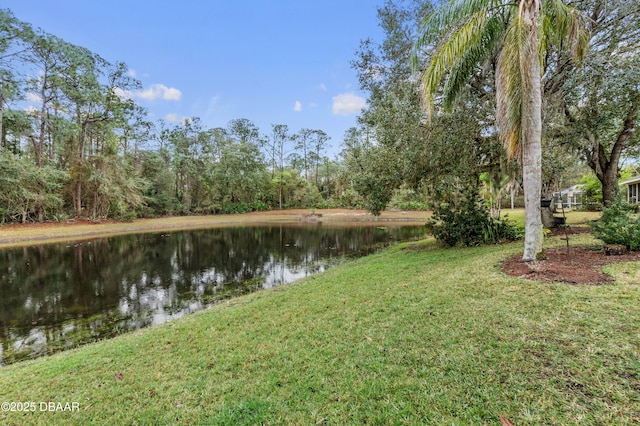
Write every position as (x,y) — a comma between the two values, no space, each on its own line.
(414,335)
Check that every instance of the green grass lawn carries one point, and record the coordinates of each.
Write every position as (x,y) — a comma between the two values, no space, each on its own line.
(413,335)
(574,217)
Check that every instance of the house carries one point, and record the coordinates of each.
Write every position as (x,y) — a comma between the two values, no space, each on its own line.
(632,189)
(571,197)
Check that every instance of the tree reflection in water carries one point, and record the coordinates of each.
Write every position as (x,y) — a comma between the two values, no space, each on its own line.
(60,296)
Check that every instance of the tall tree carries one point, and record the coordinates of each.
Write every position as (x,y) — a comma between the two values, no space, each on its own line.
(371,170)
(303,143)
(280,138)
(46,53)
(465,33)
(430,158)
(318,144)
(13,36)
(597,109)
(245,131)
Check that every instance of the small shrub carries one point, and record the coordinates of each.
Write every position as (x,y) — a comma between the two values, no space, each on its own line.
(60,217)
(618,226)
(234,208)
(541,255)
(411,205)
(469,224)
(260,206)
(127,216)
(327,204)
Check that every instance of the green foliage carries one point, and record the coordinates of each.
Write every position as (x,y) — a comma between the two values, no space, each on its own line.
(408,199)
(27,191)
(260,206)
(350,199)
(599,101)
(234,208)
(94,138)
(125,216)
(469,224)
(410,205)
(372,171)
(158,194)
(592,191)
(618,225)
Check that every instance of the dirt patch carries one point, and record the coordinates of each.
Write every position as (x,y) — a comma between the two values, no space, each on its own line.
(574,265)
(571,230)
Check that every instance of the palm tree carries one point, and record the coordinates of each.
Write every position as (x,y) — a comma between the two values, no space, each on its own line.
(465,33)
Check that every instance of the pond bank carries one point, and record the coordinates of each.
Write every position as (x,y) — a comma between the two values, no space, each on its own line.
(39,233)
(59,296)
(413,335)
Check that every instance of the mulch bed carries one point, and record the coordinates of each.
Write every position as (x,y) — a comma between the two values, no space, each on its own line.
(574,265)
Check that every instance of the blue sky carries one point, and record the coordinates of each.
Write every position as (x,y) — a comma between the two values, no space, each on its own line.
(273,62)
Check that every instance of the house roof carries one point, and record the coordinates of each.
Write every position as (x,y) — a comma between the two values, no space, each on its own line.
(576,189)
(630,181)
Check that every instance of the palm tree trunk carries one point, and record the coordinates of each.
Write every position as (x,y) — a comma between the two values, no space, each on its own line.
(532,129)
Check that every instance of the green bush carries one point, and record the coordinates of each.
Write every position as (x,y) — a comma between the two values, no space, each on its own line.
(260,206)
(234,208)
(126,216)
(618,226)
(411,205)
(469,224)
(326,204)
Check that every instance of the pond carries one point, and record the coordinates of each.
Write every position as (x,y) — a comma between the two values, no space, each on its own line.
(59,296)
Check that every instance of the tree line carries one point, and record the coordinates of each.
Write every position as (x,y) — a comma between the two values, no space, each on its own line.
(73,144)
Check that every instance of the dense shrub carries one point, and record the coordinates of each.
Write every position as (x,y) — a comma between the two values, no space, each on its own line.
(127,216)
(469,224)
(410,205)
(618,226)
(408,199)
(326,204)
(233,208)
(260,206)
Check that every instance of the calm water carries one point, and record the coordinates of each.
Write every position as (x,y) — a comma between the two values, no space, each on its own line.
(58,296)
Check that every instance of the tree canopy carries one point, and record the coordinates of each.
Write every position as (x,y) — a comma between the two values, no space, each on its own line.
(79,146)
(67,120)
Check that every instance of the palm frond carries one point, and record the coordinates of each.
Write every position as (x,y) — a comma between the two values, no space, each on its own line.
(464,41)
(462,71)
(511,85)
(436,25)
(565,28)
(451,15)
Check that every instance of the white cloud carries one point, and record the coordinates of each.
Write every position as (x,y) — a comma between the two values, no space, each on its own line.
(159,91)
(171,94)
(323,87)
(33,97)
(297,106)
(125,95)
(132,73)
(348,104)
(172,118)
